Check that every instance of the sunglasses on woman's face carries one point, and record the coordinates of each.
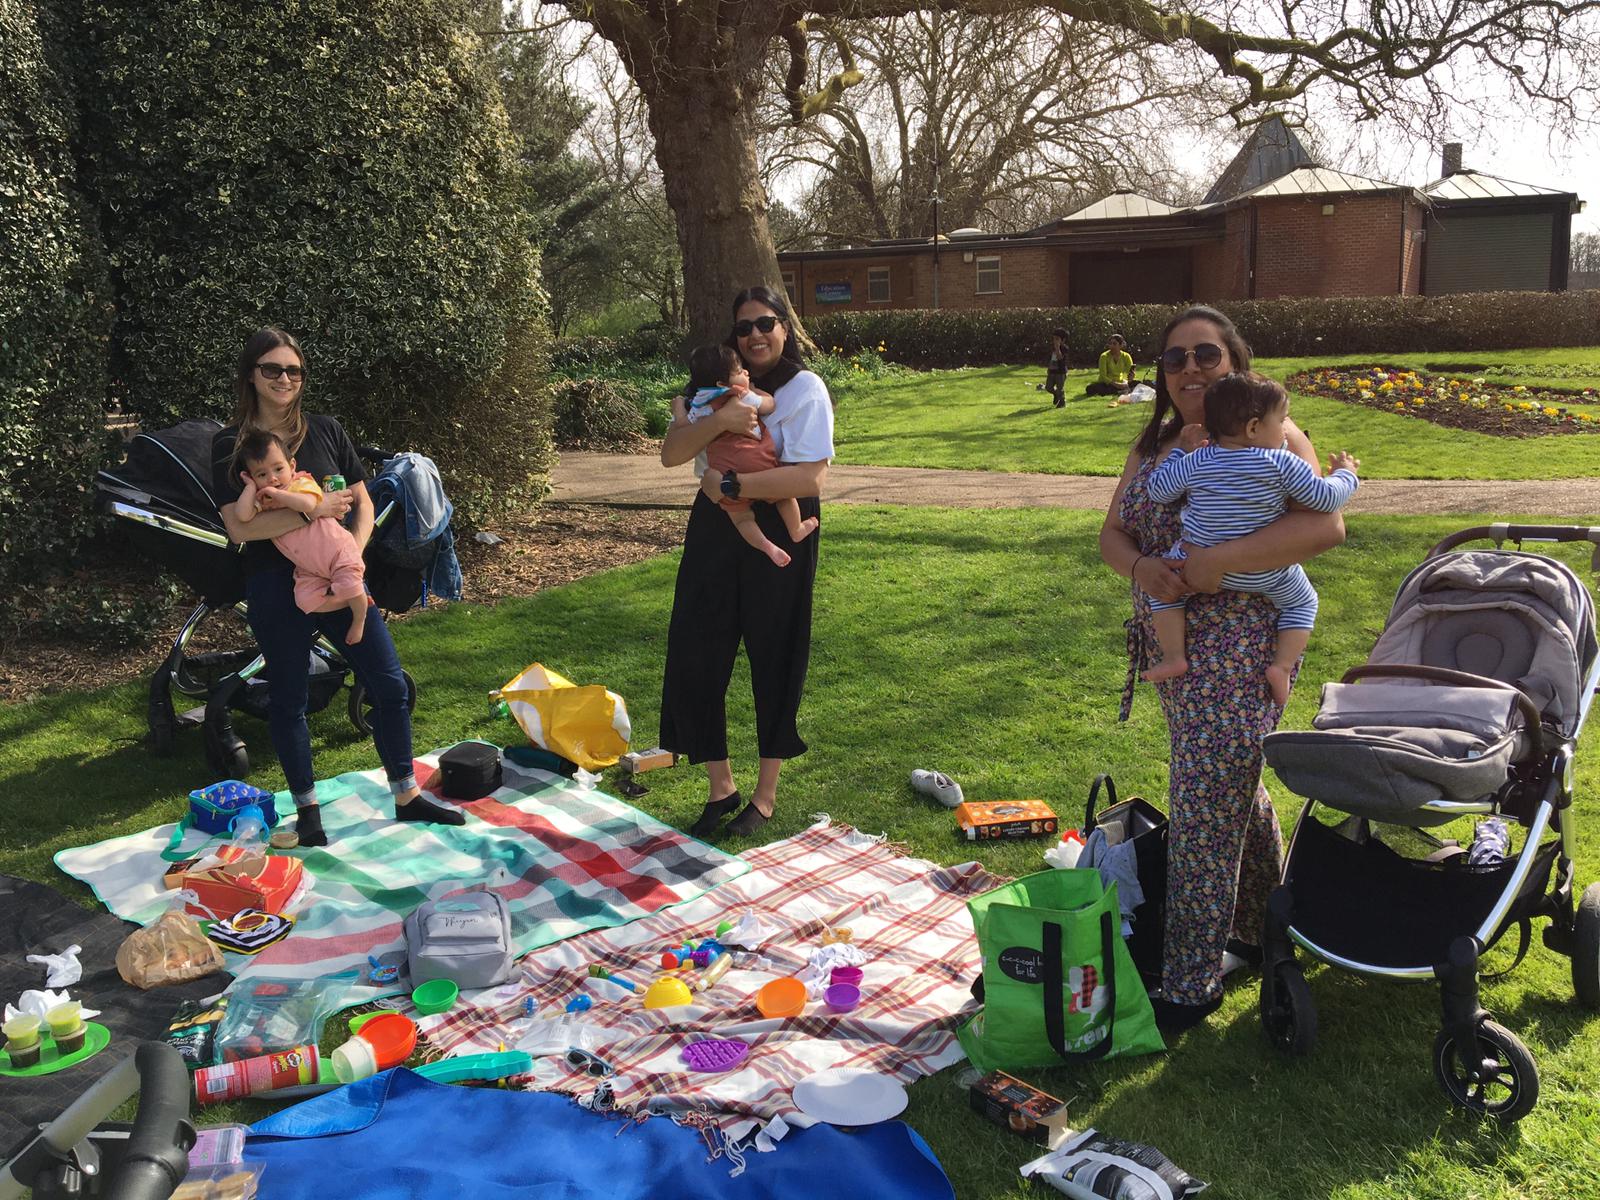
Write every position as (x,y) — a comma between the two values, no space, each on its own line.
(1206,356)
(764,324)
(274,370)
(593,1064)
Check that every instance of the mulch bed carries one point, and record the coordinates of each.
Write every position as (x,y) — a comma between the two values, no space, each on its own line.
(552,545)
(1454,401)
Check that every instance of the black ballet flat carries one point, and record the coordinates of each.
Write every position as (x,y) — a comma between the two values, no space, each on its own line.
(711,816)
(748,822)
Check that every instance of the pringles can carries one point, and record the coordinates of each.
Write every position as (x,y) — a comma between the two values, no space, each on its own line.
(255,1076)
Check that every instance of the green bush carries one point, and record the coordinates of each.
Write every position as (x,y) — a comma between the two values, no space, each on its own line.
(1276,328)
(54,306)
(345,171)
(596,414)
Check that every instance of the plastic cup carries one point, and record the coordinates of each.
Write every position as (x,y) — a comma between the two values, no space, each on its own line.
(23,1057)
(67,1027)
(21,1031)
(354,1060)
(842,997)
(850,975)
(435,996)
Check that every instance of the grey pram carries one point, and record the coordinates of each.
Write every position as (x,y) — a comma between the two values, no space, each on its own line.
(1469,706)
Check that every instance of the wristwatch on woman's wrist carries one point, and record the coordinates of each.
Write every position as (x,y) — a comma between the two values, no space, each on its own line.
(730,485)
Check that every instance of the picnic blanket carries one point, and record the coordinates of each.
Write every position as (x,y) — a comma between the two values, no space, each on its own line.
(566,858)
(35,919)
(906,915)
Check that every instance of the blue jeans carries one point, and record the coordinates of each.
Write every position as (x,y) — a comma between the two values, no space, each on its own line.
(285,634)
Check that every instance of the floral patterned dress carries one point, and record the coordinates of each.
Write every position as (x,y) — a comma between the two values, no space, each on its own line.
(1225,850)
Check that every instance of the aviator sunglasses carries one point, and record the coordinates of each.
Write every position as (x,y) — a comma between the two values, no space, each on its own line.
(764,324)
(274,370)
(1206,356)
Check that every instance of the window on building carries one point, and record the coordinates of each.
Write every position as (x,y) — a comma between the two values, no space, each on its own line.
(878,285)
(988,275)
(788,284)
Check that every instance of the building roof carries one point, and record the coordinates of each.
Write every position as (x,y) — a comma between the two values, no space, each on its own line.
(1272,150)
(1475,185)
(1121,206)
(1321,181)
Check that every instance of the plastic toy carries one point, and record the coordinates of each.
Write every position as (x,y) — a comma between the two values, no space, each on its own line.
(668,993)
(381,973)
(577,1004)
(435,996)
(715,1054)
(724,928)
(850,975)
(718,968)
(781,998)
(842,997)
(477,1067)
(596,971)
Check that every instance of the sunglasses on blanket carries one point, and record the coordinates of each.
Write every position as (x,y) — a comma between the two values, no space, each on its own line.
(582,1060)
(1206,356)
(764,324)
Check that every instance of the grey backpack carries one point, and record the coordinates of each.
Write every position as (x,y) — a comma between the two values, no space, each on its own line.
(465,938)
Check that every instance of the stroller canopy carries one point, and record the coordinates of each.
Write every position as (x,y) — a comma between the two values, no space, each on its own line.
(169,469)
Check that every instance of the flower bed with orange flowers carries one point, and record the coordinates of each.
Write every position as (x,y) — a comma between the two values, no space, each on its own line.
(1455,401)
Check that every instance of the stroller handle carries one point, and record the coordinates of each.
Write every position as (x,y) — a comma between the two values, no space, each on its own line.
(1525,705)
(1505,532)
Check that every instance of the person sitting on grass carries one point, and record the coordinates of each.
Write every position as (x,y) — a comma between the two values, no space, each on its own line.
(1116,369)
(718,377)
(328,571)
(1055,371)
(1239,481)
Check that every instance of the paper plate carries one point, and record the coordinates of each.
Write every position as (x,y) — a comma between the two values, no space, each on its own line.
(850,1096)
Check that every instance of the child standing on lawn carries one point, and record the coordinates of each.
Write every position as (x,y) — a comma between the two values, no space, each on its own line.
(1116,369)
(328,571)
(1238,482)
(1055,372)
(718,377)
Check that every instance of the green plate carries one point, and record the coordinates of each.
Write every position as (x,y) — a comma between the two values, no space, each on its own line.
(95,1040)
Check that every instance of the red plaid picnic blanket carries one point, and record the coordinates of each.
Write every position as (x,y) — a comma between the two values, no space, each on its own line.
(908,916)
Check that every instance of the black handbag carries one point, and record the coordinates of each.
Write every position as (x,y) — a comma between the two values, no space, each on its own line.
(1138,821)
(469,771)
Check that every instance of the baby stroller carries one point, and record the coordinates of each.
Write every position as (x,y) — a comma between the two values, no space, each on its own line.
(1470,706)
(163,492)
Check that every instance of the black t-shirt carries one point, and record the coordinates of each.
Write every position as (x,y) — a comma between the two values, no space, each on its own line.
(327,450)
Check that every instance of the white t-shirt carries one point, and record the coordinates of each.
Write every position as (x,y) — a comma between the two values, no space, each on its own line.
(801,423)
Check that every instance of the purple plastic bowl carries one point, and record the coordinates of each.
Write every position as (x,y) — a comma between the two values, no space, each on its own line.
(850,975)
(842,997)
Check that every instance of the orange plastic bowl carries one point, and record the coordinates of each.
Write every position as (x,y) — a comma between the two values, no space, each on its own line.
(392,1036)
(782,998)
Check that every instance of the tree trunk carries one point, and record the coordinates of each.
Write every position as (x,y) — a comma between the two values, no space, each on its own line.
(705,144)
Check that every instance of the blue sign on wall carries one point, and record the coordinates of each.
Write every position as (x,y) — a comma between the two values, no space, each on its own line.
(833,293)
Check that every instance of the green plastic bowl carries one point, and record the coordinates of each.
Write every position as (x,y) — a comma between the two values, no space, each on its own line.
(435,996)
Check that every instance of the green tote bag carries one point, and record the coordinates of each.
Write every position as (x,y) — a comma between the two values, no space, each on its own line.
(1059,985)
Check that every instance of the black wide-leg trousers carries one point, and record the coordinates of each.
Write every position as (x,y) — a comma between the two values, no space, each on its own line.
(728,591)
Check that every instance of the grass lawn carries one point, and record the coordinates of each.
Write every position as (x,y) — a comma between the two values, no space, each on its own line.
(991,418)
(989,644)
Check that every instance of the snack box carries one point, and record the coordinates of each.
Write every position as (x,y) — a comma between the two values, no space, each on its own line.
(985,820)
(639,761)
(1020,1107)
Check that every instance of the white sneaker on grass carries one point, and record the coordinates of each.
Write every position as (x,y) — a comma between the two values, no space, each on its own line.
(938,785)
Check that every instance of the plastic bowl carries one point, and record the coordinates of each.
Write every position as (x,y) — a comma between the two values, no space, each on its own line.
(782,998)
(850,975)
(392,1036)
(667,993)
(435,996)
(842,997)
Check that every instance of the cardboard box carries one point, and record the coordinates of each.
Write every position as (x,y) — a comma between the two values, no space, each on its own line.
(987,820)
(263,881)
(1020,1107)
(637,762)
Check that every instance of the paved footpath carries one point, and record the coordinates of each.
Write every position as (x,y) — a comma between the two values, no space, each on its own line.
(640,480)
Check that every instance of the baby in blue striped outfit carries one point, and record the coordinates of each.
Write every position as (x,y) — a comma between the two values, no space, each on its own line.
(1239,482)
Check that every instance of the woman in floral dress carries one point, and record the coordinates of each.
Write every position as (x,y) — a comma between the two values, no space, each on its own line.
(1225,848)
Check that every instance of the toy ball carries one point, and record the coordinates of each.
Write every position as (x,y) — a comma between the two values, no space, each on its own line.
(669,960)
(667,993)
(724,928)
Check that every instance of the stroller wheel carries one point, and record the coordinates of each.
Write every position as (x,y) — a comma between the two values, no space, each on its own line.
(1509,1084)
(1586,948)
(361,706)
(1288,1014)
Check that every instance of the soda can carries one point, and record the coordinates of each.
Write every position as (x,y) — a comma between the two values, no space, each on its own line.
(333,483)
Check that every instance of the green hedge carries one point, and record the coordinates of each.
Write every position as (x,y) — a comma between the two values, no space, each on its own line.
(345,171)
(54,306)
(1275,328)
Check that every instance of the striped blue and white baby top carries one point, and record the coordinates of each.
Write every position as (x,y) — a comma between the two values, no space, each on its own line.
(1233,492)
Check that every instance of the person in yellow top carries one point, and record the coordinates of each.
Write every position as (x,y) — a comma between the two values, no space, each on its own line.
(1116,369)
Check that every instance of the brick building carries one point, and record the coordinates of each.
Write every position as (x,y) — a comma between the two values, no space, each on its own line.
(1274,224)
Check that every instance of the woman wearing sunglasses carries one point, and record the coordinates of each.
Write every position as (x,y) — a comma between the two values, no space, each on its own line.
(269,385)
(1225,847)
(728,591)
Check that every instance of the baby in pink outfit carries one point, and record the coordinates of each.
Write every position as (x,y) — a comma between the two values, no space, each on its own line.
(328,571)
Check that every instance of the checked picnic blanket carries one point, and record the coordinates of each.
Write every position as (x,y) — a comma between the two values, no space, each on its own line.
(567,859)
(906,915)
